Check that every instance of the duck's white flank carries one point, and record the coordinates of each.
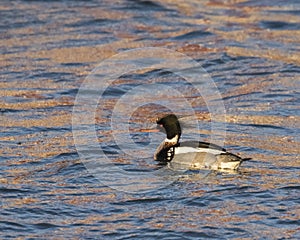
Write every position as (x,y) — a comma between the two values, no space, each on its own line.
(192,149)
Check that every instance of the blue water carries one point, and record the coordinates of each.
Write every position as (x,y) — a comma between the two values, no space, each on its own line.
(51,184)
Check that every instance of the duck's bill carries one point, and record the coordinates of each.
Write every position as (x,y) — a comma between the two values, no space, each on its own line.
(153,128)
(149,130)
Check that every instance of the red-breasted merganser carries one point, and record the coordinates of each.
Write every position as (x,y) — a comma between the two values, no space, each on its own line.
(199,155)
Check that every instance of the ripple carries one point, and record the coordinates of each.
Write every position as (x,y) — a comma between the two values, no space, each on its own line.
(193,34)
(279,25)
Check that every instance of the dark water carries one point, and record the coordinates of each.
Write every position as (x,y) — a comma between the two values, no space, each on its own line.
(251,51)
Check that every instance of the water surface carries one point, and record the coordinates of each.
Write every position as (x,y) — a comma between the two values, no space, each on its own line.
(251,51)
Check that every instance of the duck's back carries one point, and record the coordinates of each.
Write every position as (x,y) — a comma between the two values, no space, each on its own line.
(194,146)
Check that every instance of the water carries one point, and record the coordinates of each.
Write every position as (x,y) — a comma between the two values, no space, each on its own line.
(251,51)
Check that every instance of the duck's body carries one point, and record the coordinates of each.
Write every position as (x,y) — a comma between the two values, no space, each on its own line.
(197,155)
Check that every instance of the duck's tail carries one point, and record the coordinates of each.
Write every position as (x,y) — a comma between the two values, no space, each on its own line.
(246,159)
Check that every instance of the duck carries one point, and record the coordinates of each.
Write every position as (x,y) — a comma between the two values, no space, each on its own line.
(197,155)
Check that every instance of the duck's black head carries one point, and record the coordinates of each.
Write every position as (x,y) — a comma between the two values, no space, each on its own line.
(171,124)
(165,152)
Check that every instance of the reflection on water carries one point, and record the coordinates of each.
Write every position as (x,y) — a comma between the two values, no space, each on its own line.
(249,48)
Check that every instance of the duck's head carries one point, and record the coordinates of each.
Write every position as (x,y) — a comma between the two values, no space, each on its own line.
(165,151)
(171,125)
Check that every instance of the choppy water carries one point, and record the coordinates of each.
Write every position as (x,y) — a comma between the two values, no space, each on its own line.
(251,51)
